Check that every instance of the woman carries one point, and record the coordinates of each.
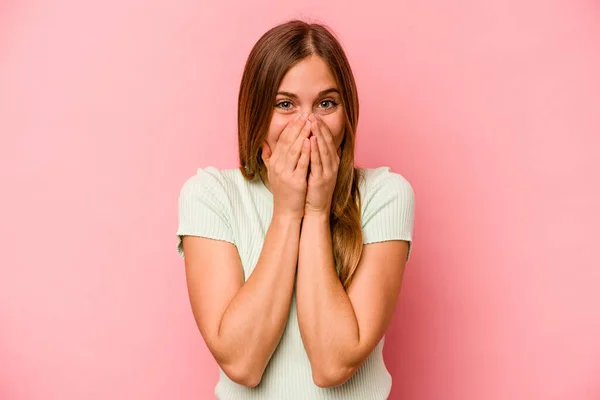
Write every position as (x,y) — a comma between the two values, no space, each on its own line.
(294,261)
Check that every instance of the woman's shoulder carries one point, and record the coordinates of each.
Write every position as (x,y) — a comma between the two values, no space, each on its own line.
(383,179)
(220,182)
(213,174)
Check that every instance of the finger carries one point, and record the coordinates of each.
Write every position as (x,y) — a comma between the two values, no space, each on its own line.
(291,131)
(294,153)
(286,129)
(328,137)
(285,141)
(304,159)
(316,166)
(282,139)
(322,146)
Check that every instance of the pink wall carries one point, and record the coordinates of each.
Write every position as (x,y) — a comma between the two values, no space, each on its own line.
(491,110)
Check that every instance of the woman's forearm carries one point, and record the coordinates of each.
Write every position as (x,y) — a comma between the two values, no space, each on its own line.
(252,324)
(325,314)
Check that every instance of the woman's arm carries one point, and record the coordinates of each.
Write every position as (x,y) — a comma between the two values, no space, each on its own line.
(242,322)
(340,329)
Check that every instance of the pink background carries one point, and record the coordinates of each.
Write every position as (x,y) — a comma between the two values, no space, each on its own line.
(490,109)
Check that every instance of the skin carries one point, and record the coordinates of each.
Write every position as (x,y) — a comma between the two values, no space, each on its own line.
(242,322)
(339,329)
(299,93)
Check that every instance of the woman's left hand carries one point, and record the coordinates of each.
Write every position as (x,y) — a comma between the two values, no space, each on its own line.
(324,163)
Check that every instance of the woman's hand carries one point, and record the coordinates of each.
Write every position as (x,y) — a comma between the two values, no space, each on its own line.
(324,164)
(287,167)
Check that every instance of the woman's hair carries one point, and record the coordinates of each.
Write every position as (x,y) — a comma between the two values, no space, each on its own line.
(272,56)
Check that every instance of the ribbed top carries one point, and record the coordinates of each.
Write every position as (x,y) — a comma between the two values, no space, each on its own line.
(222,205)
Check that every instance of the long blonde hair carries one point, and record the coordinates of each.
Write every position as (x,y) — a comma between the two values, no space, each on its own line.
(272,56)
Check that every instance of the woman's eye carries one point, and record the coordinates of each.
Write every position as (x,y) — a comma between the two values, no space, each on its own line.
(282,103)
(287,105)
(330,102)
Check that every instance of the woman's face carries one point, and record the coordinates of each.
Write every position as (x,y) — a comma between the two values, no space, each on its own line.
(308,87)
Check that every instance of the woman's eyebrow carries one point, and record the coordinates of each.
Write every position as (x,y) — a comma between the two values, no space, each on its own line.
(321,93)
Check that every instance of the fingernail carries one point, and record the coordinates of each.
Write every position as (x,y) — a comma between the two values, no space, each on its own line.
(304,115)
(297,117)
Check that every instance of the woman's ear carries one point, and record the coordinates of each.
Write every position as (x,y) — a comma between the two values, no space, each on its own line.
(266,152)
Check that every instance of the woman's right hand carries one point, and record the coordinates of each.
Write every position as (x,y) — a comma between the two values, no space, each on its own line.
(287,168)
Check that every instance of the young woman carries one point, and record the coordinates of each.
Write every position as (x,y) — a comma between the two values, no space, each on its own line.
(294,260)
